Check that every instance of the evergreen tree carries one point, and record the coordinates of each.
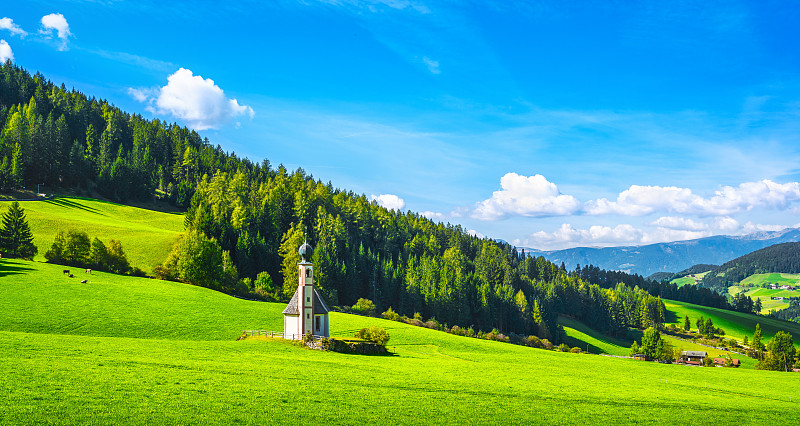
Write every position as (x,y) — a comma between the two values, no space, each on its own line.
(755,343)
(16,239)
(686,323)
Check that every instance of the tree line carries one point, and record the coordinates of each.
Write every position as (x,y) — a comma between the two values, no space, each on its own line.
(245,220)
(688,293)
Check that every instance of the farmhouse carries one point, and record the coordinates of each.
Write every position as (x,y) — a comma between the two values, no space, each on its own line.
(693,357)
(306,311)
(720,362)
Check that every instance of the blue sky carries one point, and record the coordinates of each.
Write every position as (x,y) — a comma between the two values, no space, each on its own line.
(547,124)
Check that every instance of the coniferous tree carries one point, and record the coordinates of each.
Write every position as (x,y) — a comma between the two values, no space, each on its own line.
(16,239)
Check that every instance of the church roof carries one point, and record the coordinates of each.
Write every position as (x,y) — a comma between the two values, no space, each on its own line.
(293,308)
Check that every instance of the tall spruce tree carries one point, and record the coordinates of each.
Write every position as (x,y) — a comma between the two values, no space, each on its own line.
(16,239)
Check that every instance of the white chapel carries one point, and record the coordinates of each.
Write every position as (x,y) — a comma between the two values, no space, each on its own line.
(306,311)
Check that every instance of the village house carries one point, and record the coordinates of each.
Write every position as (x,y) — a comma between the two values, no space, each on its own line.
(720,362)
(693,357)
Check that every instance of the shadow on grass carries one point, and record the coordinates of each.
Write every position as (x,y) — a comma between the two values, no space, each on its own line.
(670,317)
(11,268)
(67,203)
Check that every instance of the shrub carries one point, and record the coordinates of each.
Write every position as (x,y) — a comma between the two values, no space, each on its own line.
(575,350)
(391,315)
(432,324)
(364,307)
(374,334)
(533,342)
(470,332)
(563,347)
(546,344)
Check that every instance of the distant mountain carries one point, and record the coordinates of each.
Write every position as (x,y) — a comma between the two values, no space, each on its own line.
(776,258)
(669,257)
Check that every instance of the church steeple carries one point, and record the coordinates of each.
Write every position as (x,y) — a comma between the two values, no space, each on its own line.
(306,312)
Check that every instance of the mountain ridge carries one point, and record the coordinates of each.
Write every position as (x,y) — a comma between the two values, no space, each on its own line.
(673,256)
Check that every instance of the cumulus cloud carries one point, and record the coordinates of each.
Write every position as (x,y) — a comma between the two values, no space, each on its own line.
(642,200)
(191,98)
(665,229)
(672,222)
(8,24)
(433,215)
(57,22)
(531,196)
(475,233)
(390,201)
(5,52)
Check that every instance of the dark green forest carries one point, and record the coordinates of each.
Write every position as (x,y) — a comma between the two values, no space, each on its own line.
(783,258)
(245,220)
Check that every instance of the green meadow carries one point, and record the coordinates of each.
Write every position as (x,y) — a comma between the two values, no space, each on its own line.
(131,350)
(680,282)
(584,337)
(147,236)
(766,295)
(735,324)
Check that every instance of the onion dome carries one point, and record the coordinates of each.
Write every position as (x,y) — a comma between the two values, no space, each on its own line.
(306,252)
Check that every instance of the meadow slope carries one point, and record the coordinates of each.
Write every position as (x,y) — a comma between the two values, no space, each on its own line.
(134,350)
(147,236)
(735,324)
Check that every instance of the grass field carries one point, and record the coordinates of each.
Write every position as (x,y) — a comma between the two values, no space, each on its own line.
(147,236)
(735,324)
(766,295)
(133,350)
(580,335)
(689,279)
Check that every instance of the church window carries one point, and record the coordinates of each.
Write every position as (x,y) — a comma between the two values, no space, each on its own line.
(317,323)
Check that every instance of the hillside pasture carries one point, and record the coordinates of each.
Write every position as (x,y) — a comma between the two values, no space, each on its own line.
(689,279)
(735,324)
(578,334)
(766,295)
(134,350)
(147,236)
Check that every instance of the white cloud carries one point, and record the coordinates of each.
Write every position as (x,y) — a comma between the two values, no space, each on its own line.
(433,215)
(57,22)
(665,229)
(197,101)
(475,233)
(433,66)
(641,200)
(5,52)
(390,201)
(531,196)
(141,95)
(8,24)
(672,222)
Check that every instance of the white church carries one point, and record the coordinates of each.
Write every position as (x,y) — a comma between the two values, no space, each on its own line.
(306,312)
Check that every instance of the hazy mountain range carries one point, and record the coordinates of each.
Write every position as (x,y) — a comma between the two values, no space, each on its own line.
(669,257)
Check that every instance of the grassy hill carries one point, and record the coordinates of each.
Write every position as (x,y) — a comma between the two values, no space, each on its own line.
(689,279)
(735,324)
(752,286)
(147,236)
(584,337)
(134,350)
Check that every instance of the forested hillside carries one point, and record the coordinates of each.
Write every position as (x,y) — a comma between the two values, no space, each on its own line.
(245,221)
(778,258)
